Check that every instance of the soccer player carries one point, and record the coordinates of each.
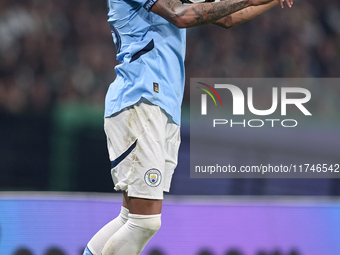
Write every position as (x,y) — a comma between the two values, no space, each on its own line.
(143,107)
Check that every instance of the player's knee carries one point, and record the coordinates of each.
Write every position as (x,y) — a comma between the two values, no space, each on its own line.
(154,223)
(148,222)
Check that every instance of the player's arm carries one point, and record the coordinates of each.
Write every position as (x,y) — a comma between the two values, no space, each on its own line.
(244,15)
(182,15)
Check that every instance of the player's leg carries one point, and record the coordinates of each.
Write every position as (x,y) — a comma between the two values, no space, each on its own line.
(145,214)
(97,242)
(143,223)
(139,173)
(173,141)
(143,206)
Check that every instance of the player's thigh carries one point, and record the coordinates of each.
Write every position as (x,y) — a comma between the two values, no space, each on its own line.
(136,139)
(142,206)
(173,140)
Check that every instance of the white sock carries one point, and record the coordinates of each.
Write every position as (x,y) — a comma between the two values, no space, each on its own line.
(133,236)
(98,241)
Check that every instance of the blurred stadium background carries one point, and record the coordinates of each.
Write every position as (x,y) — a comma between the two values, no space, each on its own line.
(56,63)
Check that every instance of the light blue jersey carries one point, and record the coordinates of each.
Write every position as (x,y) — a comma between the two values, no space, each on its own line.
(151,52)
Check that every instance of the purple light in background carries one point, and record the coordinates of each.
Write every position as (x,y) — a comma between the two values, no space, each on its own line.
(187,226)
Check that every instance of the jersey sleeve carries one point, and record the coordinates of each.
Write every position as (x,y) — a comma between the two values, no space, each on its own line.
(148,4)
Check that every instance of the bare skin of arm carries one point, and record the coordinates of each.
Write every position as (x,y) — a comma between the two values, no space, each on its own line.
(190,15)
(244,15)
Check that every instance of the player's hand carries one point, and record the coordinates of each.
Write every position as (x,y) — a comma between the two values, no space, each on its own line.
(288,2)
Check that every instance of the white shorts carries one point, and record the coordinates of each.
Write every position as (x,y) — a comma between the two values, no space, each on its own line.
(143,145)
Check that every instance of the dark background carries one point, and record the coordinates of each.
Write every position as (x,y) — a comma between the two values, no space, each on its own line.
(57,60)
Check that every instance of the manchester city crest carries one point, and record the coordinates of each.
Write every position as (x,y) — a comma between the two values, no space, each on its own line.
(153,177)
